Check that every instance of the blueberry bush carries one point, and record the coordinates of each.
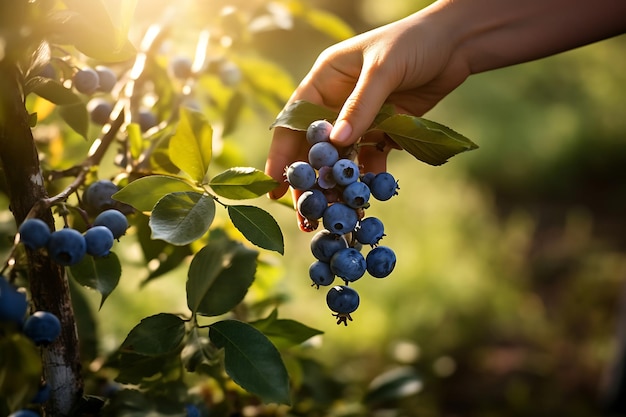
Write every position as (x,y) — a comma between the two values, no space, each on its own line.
(104,143)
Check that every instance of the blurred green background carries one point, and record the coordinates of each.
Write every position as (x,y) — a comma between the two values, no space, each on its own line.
(507,293)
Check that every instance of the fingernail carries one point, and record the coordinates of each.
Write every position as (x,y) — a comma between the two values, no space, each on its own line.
(341,132)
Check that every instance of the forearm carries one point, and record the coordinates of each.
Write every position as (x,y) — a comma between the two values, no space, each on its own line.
(492,34)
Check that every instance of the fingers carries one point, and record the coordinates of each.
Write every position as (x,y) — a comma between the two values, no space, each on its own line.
(362,105)
(287,146)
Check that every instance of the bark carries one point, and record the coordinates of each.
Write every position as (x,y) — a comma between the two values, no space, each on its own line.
(48,283)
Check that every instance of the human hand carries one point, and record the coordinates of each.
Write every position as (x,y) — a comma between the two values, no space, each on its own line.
(408,64)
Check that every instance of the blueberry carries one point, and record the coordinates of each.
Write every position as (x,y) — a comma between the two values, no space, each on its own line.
(99,111)
(24,413)
(98,196)
(192,410)
(312,204)
(147,120)
(181,67)
(340,218)
(380,261)
(34,233)
(323,154)
(342,300)
(320,274)
(230,74)
(384,186)
(42,327)
(356,195)
(86,81)
(348,264)
(325,178)
(345,171)
(42,395)
(99,240)
(318,131)
(300,175)
(114,220)
(48,71)
(106,79)
(324,245)
(370,231)
(67,246)
(13,304)
(367,178)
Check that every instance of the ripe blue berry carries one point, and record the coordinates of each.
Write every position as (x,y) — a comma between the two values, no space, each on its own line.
(356,195)
(147,120)
(312,204)
(192,410)
(320,274)
(106,79)
(370,231)
(34,233)
(348,264)
(383,186)
(24,413)
(323,154)
(345,171)
(86,81)
(230,74)
(342,300)
(98,196)
(99,110)
(340,218)
(181,67)
(324,245)
(13,304)
(367,178)
(67,246)
(325,178)
(42,328)
(380,261)
(42,395)
(99,240)
(300,175)
(318,131)
(114,220)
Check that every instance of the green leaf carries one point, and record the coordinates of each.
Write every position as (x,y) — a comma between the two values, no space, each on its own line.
(180,218)
(258,226)
(76,117)
(155,335)
(219,276)
(251,360)
(300,114)
(87,25)
(191,146)
(101,274)
(284,332)
(242,183)
(20,369)
(145,192)
(393,385)
(52,90)
(426,140)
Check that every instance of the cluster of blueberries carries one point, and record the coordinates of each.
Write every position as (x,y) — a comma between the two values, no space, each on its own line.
(68,246)
(335,191)
(41,327)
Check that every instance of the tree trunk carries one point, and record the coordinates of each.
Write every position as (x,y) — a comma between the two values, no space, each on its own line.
(48,283)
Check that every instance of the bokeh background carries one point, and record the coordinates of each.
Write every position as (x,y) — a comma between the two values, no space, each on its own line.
(508,297)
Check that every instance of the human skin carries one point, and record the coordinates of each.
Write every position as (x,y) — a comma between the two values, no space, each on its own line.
(415,62)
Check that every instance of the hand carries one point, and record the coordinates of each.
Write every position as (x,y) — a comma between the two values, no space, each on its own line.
(403,63)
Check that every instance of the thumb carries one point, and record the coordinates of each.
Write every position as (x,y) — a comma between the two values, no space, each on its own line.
(360,108)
